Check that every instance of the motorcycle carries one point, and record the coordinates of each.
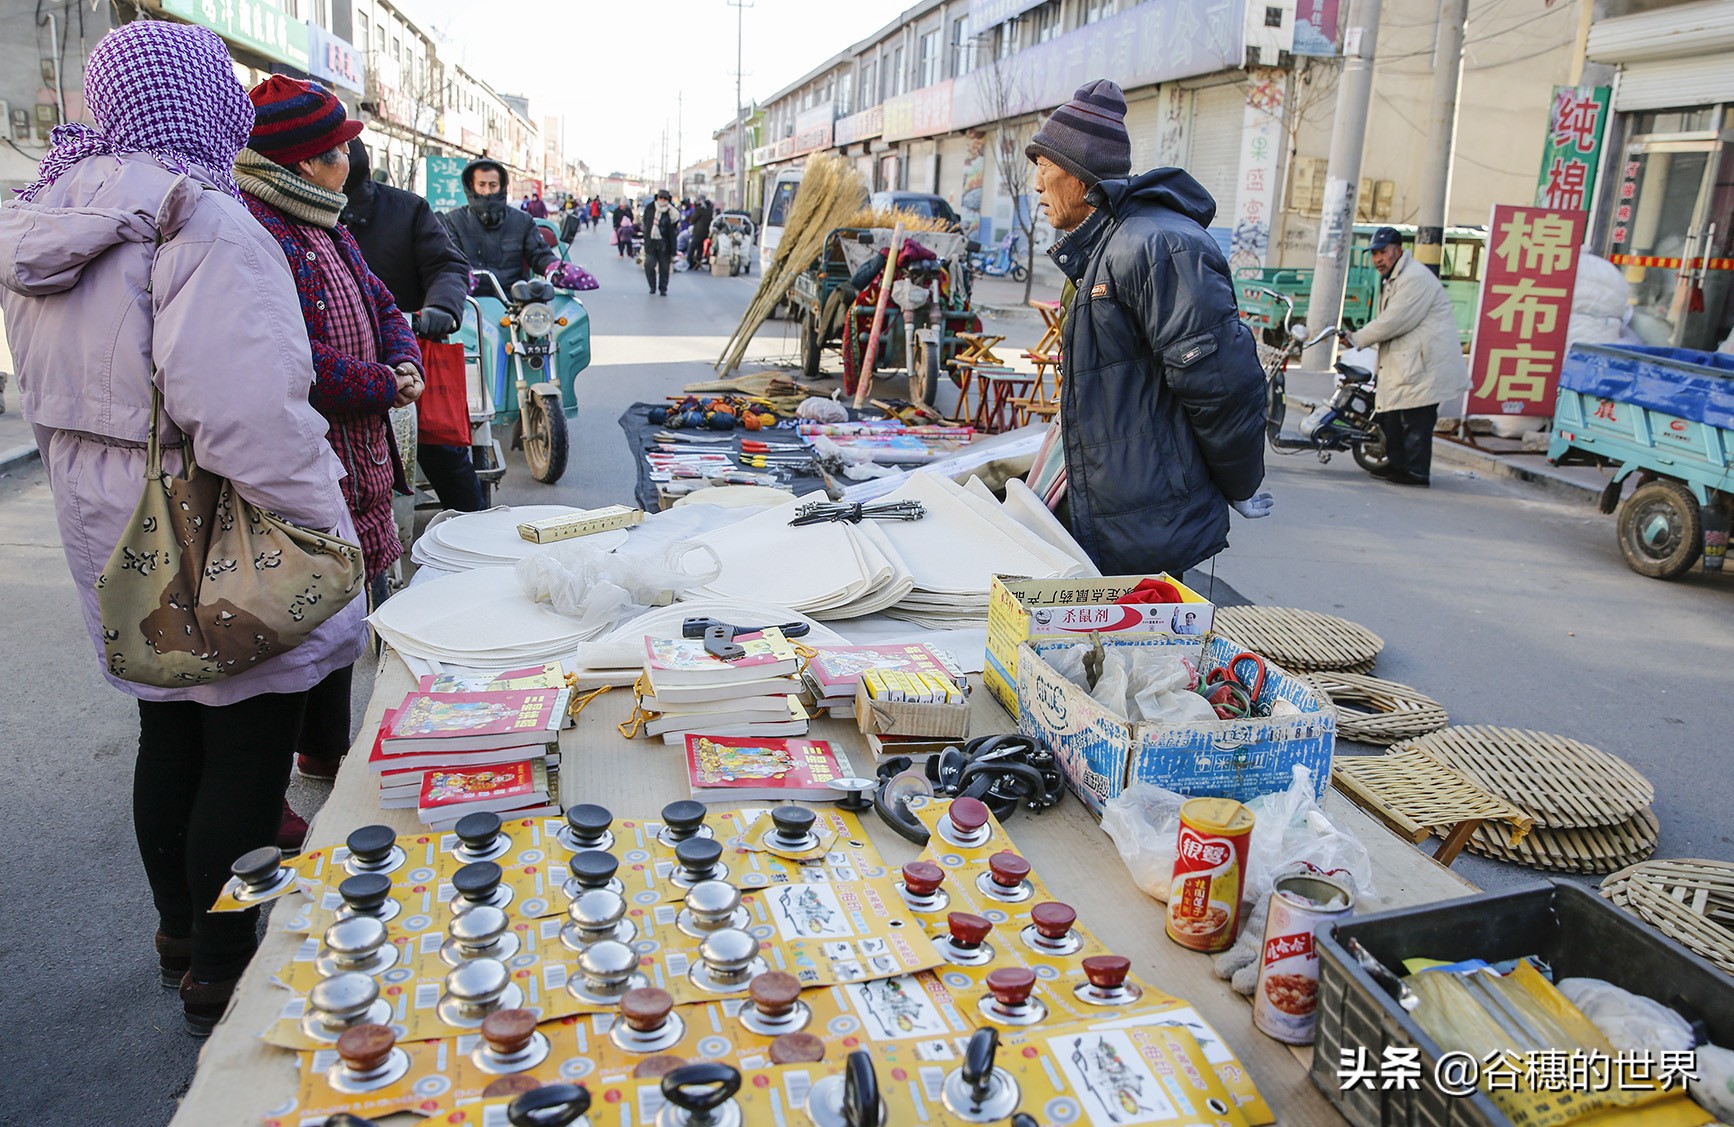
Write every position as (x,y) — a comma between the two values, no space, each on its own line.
(541,337)
(1000,263)
(916,293)
(729,241)
(1345,422)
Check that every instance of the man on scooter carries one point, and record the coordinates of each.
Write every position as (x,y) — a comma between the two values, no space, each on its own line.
(492,233)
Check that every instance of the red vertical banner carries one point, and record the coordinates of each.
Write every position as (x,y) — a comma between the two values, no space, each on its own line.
(1527,280)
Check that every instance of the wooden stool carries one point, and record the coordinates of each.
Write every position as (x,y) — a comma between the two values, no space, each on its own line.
(1024,407)
(1043,361)
(998,387)
(1051,315)
(978,348)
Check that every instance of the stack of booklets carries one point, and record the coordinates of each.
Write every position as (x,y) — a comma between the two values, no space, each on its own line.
(832,676)
(723,769)
(447,754)
(691,691)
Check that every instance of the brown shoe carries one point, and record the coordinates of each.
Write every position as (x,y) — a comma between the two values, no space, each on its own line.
(291,831)
(318,767)
(203,1003)
(175,956)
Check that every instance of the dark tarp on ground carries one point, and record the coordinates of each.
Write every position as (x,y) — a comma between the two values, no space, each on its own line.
(641,436)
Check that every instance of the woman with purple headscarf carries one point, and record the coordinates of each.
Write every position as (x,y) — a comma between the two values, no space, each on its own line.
(130,262)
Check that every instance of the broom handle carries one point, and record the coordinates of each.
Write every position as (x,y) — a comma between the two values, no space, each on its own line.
(864,385)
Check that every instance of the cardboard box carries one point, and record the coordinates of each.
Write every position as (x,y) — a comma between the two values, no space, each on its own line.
(1102,753)
(1040,611)
(585,522)
(908,718)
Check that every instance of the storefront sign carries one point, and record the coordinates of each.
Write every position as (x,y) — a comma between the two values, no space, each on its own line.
(859,126)
(333,59)
(1315,27)
(1261,146)
(1520,325)
(921,113)
(813,129)
(1569,160)
(445,185)
(253,24)
(984,14)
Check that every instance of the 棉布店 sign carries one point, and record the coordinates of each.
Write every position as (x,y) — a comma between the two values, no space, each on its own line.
(1527,279)
(254,24)
(1575,127)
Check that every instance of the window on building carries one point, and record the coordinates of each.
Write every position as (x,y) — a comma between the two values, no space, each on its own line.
(396,49)
(379,38)
(1097,10)
(1047,21)
(319,14)
(361,38)
(960,45)
(870,83)
(845,95)
(1006,39)
(899,76)
(927,54)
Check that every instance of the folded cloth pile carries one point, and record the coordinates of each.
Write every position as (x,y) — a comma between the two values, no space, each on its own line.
(461,541)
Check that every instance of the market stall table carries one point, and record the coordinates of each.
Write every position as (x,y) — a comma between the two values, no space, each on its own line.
(241,1079)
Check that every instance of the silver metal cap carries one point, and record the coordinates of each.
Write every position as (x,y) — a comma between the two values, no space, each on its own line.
(608,963)
(344,996)
(597,909)
(355,938)
(713,899)
(478,983)
(729,951)
(478,927)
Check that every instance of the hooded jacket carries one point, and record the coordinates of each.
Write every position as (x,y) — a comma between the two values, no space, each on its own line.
(1420,355)
(95,311)
(1162,406)
(494,235)
(405,245)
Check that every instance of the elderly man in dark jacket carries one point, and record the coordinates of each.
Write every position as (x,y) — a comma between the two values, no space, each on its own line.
(409,250)
(492,233)
(1161,421)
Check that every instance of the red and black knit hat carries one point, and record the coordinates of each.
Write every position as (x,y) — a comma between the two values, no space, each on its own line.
(297,120)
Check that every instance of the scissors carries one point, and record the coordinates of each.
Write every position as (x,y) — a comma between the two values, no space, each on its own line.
(1231,695)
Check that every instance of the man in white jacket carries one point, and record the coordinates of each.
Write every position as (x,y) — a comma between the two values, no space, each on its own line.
(1420,360)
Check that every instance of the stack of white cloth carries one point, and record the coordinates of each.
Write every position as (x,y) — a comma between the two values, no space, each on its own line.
(462,541)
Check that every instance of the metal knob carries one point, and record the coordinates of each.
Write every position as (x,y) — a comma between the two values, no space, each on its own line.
(777,1007)
(921,887)
(966,944)
(682,820)
(342,1002)
(367,1059)
(849,1100)
(979,1092)
(1106,983)
(368,894)
(356,944)
(728,960)
(699,859)
(792,829)
(1050,930)
(373,849)
(477,989)
(606,970)
(588,826)
(1006,878)
(1009,1000)
(510,1043)
(648,1023)
(965,823)
(261,874)
(711,906)
(592,869)
(797,1048)
(549,1105)
(479,883)
(479,837)
(704,1094)
(483,932)
(596,915)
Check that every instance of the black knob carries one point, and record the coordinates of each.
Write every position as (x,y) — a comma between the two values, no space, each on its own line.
(551,1105)
(365,892)
(861,1107)
(698,856)
(477,880)
(978,1062)
(683,819)
(793,823)
(593,868)
(371,844)
(478,831)
(588,820)
(1024,1119)
(698,1089)
(260,865)
(344,1119)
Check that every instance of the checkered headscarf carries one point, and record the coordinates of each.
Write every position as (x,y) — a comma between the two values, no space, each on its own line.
(166,90)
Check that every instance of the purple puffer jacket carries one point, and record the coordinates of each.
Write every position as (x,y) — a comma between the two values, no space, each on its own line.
(91,304)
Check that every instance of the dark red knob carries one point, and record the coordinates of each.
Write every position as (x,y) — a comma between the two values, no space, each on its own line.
(508,1031)
(967,928)
(660,1065)
(1011,986)
(1053,920)
(1107,972)
(504,1087)
(968,814)
(797,1048)
(1008,869)
(646,1008)
(775,992)
(365,1048)
(923,878)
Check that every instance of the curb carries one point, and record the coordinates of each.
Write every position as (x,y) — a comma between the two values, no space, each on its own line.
(1539,473)
(18,457)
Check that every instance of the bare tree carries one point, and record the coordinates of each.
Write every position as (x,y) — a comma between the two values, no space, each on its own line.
(414,104)
(1001,91)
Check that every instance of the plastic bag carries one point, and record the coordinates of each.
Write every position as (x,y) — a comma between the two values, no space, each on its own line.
(1714,1088)
(1144,821)
(1631,1022)
(1141,683)
(600,589)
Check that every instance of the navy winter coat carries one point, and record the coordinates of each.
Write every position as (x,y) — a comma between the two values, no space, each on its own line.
(1163,401)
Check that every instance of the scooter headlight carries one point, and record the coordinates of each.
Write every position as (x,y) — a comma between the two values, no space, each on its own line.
(536,319)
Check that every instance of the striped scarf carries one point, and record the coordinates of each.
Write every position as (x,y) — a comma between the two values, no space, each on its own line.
(269,182)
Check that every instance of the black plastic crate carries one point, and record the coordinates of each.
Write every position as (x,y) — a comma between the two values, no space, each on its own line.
(1575,931)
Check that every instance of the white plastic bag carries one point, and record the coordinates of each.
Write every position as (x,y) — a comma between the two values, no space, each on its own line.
(600,589)
(1631,1022)
(1144,821)
(1714,1088)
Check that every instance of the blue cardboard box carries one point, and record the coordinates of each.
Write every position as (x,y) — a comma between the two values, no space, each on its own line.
(1101,753)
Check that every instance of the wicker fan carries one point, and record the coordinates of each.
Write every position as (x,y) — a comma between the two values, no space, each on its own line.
(1688,900)
(1561,783)
(1301,640)
(1378,712)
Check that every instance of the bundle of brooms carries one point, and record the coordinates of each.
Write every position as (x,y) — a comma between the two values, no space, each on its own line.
(831,193)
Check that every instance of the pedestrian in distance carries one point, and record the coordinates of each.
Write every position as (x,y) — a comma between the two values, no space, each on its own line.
(131,263)
(623,236)
(365,358)
(409,249)
(661,230)
(702,216)
(535,206)
(1161,421)
(1420,358)
(595,209)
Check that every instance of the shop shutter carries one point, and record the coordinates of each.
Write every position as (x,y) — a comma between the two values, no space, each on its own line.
(1143,120)
(1675,83)
(1218,118)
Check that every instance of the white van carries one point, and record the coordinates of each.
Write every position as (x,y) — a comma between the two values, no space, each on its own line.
(779,201)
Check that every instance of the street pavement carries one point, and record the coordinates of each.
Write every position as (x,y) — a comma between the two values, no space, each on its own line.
(1506,602)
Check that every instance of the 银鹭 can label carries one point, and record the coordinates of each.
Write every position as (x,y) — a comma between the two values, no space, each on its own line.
(1209,873)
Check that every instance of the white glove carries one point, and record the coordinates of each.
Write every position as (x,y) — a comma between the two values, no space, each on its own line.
(1258,505)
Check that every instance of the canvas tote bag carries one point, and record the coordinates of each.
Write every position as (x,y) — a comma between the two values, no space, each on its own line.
(204,585)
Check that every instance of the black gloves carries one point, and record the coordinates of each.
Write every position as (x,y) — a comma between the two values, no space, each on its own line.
(435,324)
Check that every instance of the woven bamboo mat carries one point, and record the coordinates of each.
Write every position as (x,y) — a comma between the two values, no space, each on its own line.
(1559,782)
(1688,900)
(1592,850)
(1302,641)
(1375,711)
(1418,796)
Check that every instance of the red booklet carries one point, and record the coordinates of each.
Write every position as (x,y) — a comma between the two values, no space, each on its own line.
(723,769)
(436,722)
(504,786)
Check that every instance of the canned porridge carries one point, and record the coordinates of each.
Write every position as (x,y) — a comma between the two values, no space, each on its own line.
(1285,1005)
(1209,873)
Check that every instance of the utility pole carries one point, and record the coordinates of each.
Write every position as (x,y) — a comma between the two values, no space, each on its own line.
(679,163)
(1343,177)
(1441,133)
(740,7)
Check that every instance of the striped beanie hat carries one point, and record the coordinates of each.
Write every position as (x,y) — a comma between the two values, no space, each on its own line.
(1087,136)
(297,120)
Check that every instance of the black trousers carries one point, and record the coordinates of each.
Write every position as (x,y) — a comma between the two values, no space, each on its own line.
(325,732)
(1409,438)
(658,261)
(452,474)
(207,788)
